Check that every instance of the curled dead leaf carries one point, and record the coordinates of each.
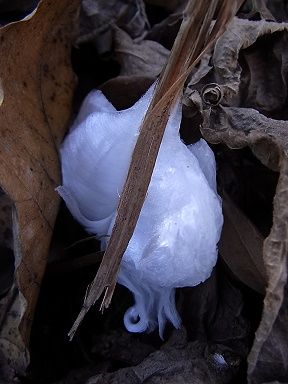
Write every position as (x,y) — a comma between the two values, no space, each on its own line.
(99,17)
(253,113)
(144,58)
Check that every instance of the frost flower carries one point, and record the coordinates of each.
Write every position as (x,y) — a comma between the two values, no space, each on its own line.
(175,240)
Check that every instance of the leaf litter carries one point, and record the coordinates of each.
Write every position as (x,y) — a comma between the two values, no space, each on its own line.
(34,115)
(247,128)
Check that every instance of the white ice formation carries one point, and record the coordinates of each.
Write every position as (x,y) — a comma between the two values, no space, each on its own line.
(175,240)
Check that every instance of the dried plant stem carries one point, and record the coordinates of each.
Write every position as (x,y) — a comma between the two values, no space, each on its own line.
(194,38)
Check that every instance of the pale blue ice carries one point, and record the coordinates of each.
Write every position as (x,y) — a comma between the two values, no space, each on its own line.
(175,240)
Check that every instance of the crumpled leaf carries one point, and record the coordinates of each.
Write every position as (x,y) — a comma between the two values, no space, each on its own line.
(251,96)
(275,10)
(121,346)
(268,358)
(178,361)
(37,91)
(268,140)
(257,9)
(251,77)
(98,18)
(279,9)
(145,58)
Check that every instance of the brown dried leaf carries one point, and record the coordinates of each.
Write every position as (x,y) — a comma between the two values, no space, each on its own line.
(37,88)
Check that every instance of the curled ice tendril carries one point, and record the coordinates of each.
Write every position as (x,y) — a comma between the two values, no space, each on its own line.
(175,240)
(153,305)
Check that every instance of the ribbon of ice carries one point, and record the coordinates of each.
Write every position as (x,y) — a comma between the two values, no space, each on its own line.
(175,240)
